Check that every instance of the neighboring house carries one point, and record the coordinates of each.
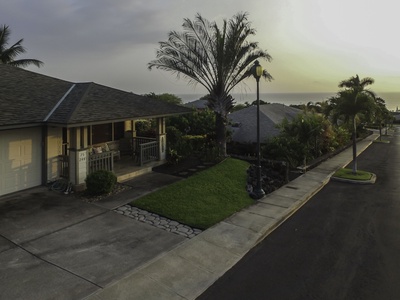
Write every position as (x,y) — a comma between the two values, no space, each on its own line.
(244,121)
(51,128)
(396,116)
(199,104)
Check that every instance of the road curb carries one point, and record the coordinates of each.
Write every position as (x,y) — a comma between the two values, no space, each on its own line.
(359,182)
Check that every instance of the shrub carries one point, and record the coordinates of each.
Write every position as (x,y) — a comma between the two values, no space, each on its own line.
(195,142)
(100,182)
(211,152)
(174,136)
(173,157)
(286,148)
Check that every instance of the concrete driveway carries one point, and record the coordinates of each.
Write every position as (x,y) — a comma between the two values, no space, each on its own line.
(54,246)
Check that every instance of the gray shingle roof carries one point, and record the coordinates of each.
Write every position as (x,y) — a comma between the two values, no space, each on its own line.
(197,104)
(245,121)
(28,98)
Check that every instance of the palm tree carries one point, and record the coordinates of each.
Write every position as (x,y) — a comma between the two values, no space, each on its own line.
(8,55)
(352,102)
(216,58)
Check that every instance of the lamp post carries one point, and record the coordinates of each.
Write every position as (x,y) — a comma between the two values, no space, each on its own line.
(257,72)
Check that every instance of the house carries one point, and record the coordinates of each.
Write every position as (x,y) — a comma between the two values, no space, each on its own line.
(200,104)
(51,128)
(396,116)
(244,121)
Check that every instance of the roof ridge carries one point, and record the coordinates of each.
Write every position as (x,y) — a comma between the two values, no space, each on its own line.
(59,103)
(79,103)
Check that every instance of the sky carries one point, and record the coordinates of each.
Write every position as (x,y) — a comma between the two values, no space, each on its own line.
(314,44)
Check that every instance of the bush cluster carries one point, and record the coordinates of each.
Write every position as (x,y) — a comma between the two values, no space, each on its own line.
(100,182)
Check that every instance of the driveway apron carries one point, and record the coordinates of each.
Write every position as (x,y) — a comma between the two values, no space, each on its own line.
(54,246)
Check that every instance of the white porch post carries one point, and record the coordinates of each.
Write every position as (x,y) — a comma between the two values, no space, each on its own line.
(78,157)
(84,137)
(161,138)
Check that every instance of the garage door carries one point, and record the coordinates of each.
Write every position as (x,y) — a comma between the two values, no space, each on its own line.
(20,159)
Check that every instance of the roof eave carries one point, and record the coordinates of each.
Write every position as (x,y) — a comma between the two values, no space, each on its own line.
(98,122)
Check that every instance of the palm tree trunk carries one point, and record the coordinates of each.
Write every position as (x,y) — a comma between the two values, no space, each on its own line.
(354,146)
(221,134)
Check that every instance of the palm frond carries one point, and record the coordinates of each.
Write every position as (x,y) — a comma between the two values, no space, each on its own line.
(216,57)
(22,63)
(8,55)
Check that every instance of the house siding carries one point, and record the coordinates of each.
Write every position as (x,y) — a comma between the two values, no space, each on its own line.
(54,149)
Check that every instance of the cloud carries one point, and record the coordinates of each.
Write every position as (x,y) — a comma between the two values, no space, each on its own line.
(111,42)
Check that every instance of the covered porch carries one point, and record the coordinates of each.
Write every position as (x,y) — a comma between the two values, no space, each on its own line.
(124,170)
(110,147)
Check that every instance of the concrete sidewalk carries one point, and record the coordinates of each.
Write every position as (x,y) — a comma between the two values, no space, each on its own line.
(189,269)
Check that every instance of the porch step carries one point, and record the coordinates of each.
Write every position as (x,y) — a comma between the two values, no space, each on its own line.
(139,171)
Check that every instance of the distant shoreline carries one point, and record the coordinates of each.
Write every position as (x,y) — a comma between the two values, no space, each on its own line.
(392,99)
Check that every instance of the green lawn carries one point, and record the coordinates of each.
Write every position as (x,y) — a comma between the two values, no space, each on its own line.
(203,199)
(348,174)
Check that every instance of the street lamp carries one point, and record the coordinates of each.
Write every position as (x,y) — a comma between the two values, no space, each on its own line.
(257,72)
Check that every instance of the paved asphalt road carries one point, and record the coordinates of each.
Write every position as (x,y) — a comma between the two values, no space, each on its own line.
(343,244)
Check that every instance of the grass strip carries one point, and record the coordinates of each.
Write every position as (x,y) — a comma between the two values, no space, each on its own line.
(381,141)
(346,173)
(203,199)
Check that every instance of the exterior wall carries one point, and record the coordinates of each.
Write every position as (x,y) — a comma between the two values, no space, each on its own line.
(20,159)
(162,138)
(54,149)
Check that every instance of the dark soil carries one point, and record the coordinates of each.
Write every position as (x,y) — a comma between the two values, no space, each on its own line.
(270,179)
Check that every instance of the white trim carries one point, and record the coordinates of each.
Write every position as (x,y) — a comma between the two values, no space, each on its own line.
(59,103)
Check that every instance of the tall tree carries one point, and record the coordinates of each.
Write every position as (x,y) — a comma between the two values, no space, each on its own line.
(218,58)
(169,98)
(8,55)
(352,102)
(382,115)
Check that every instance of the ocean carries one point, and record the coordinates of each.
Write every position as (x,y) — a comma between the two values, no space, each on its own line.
(392,99)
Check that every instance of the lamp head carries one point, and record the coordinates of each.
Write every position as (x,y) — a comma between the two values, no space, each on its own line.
(257,70)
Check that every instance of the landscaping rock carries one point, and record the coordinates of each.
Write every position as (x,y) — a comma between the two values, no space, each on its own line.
(157,221)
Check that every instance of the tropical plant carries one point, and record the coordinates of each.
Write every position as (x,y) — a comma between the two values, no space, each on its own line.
(169,98)
(382,115)
(8,55)
(285,148)
(240,106)
(306,137)
(199,122)
(218,58)
(351,104)
(146,128)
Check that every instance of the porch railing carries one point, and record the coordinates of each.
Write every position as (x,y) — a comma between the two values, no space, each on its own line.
(148,152)
(63,161)
(137,141)
(101,161)
(144,150)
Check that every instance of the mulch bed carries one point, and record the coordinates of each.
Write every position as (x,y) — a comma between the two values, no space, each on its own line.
(118,188)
